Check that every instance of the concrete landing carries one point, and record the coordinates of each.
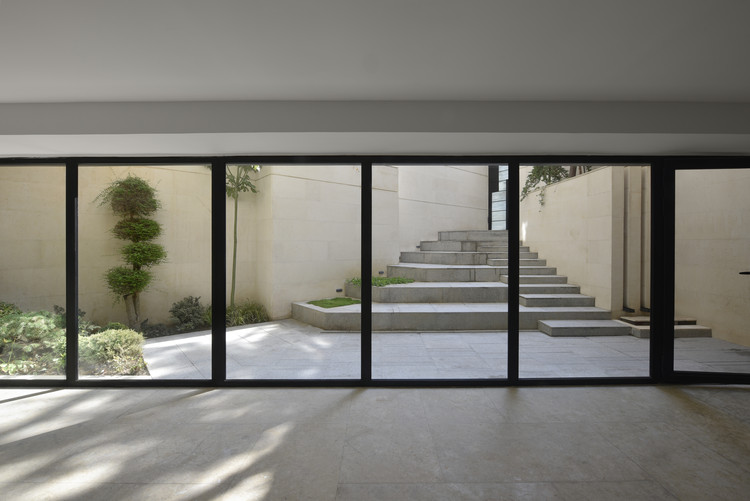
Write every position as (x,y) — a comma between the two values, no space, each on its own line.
(584,328)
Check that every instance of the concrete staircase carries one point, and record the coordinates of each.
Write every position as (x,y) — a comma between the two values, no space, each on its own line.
(683,327)
(460,283)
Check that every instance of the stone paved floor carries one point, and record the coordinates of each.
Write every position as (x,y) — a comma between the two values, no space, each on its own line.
(288,349)
(352,444)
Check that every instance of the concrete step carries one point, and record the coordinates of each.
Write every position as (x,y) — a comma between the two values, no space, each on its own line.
(448,246)
(437,317)
(530,270)
(504,255)
(538,279)
(646,320)
(570,328)
(556,300)
(549,289)
(522,262)
(500,248)
(435,292)
(680,331)
(445,273)
(443,257)
(475,235)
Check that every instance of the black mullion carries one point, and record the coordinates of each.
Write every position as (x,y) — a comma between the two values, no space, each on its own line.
(512,212)
(218,273)
(71,272)
(662,270)
(366,274)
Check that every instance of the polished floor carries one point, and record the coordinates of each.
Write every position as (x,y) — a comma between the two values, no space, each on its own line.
(561,443)
(287,349)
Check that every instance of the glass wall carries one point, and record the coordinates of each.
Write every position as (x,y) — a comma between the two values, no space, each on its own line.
(32,272)
(583,288)
(145,271)
(293,249)
(712,270)
(439,308)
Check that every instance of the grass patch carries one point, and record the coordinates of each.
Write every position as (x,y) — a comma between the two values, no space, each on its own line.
(382,281)
(334,302)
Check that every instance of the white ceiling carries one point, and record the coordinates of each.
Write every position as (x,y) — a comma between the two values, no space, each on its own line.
(550,50)
(602,51)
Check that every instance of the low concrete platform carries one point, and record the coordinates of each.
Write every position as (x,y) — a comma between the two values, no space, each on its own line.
(583,328)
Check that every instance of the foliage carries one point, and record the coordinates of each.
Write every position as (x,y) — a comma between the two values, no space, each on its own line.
(137,230)
(189,314)
(131,197)
(144,254)
(156,330)
(334,302)
(382,281)
(246,313)
(8,309)
(114,326)
(546,174)
(34,343)
(124,281)
(116,350)
(238,182)
(84,326)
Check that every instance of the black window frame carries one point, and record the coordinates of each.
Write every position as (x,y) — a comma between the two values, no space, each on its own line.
(662,268)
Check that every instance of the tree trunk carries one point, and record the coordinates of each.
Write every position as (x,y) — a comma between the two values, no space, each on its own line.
(132,308)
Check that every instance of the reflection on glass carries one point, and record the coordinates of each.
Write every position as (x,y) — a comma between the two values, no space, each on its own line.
(439,306)
(296,231)
(582,282)
(145,271)
(712,246)
(32,271)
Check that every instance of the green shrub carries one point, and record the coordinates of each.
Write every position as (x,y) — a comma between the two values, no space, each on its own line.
(246,313)
(31,343)
(115,326)
(137,230)
(118,351)
(8,309)
(189,313)
(84,326)
(131,196)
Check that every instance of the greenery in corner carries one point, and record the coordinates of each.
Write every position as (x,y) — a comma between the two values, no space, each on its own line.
(246,313)
(133,200)
(189,313)
(382,281)
(34,343)
(334,302)
(545,175)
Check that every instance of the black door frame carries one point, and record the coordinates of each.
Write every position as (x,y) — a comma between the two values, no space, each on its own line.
(662,266)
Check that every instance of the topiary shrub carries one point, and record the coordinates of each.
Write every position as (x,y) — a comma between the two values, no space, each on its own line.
(133,199)
(189,313)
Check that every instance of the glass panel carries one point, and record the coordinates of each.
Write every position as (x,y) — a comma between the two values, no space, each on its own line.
(712,251)
(298,241)
(582,271)
(145,271)
(439,308)
(32,271)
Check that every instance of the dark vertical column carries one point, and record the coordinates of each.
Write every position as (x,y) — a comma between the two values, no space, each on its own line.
(366,260)
(71,271)
(493,183)
(218,273)
(662,270)
(512,223)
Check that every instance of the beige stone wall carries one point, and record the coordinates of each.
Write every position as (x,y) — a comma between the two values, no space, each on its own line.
(580,231)
(298,238)
(712,232)
(32,236)
(440,198)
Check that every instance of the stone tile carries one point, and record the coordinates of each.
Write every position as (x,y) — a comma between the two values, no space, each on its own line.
(642,490)
(446,491)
